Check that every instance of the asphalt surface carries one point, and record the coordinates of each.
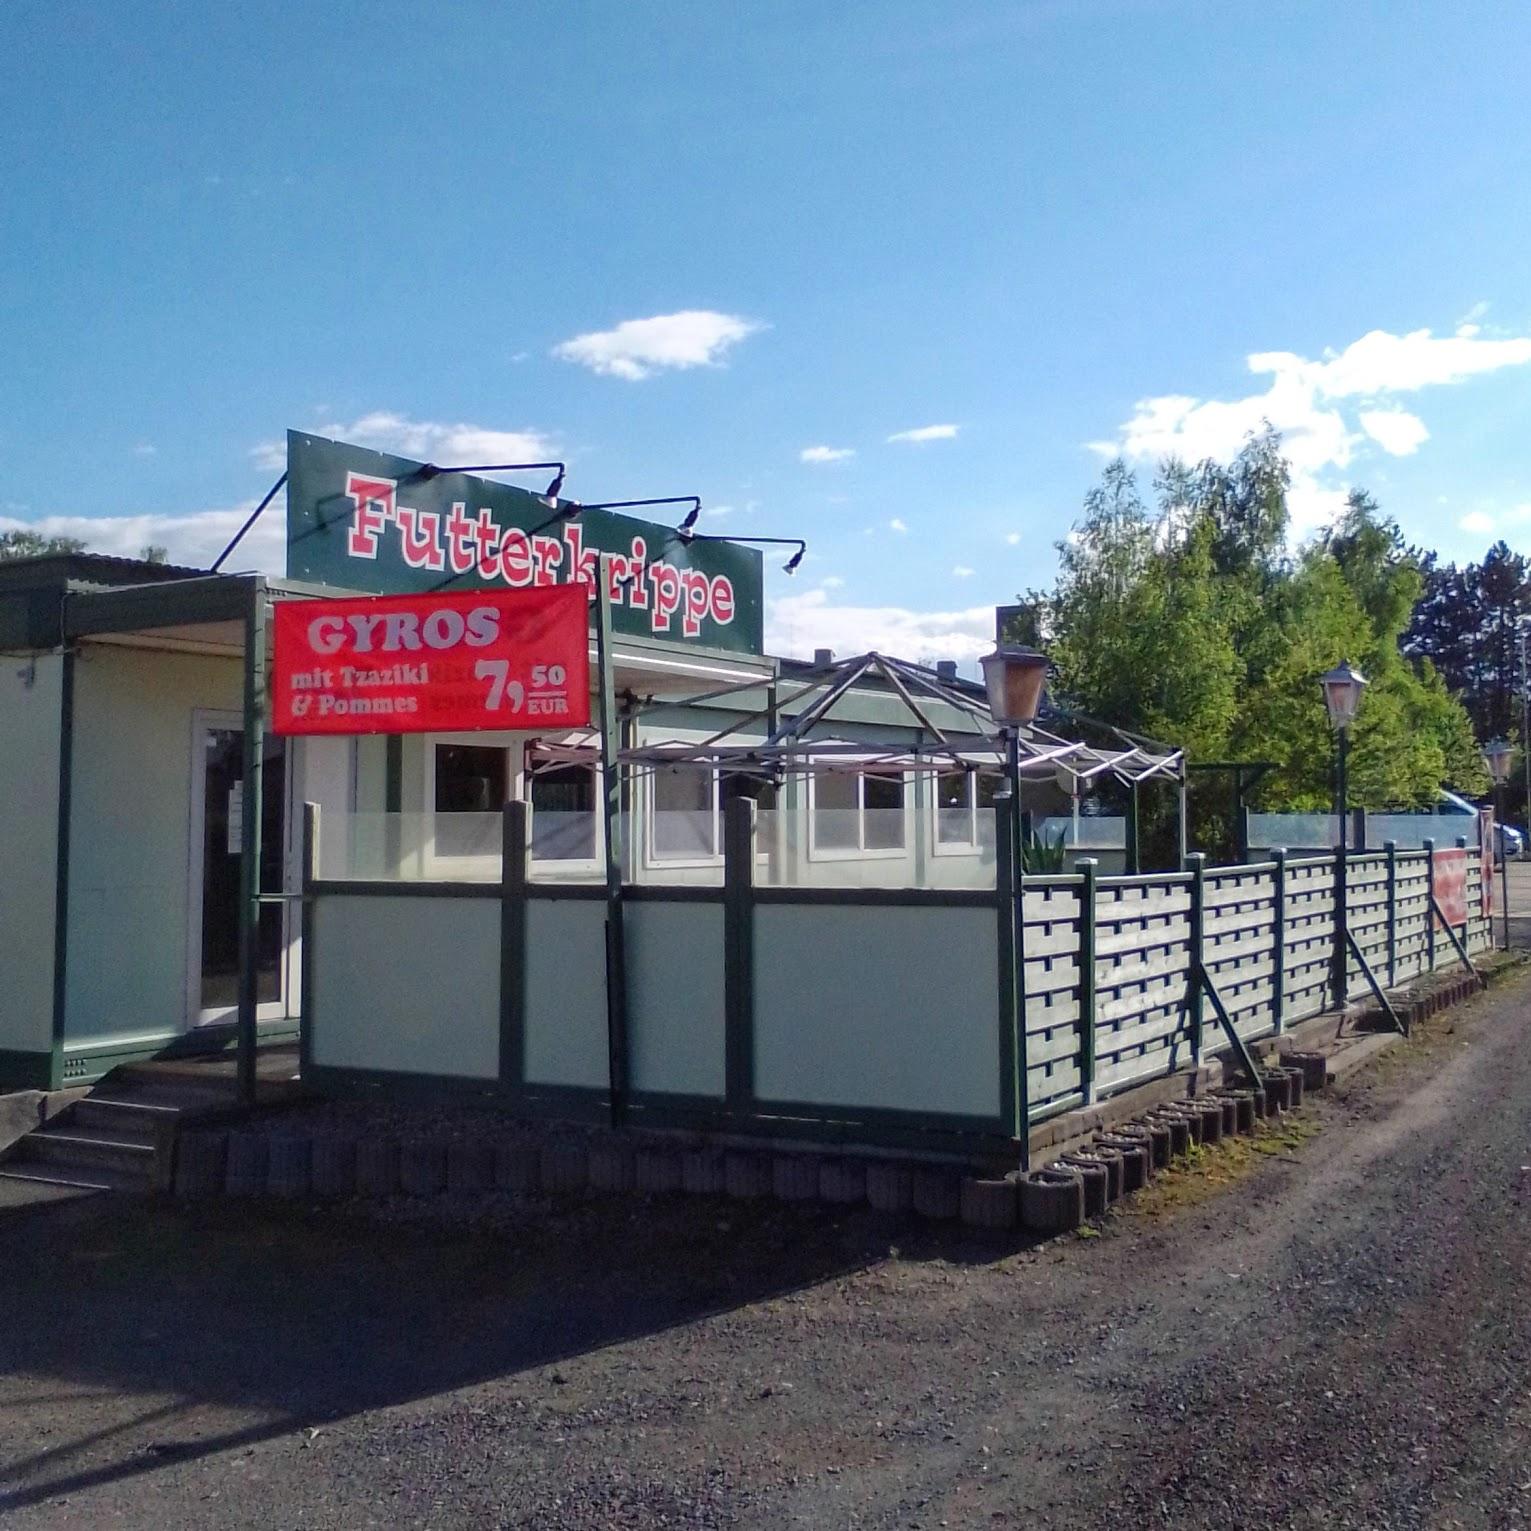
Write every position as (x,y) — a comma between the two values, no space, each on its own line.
(1331,1329)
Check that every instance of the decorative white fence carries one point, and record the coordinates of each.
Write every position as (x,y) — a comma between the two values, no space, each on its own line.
(878,1015)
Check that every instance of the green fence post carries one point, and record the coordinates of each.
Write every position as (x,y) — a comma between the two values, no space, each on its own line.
(1392,913)
(514,823)
(1132,855)
(1278,940)
(739,955)
(1339,974)
(1430,904)
(1196,865)
(1088,867)
(1012,1003)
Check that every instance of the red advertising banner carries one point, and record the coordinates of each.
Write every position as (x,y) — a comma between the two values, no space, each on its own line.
(1451,884)
(448,662)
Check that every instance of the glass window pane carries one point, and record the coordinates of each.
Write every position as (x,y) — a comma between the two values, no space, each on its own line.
(954,812)
(836,821)
(563,814)
(684,817)
(883,798)
(470,778)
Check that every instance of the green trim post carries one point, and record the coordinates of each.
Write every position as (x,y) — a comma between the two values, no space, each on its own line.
(1183,805)
(611,817)
(1009,973)
(1020,829)
(1133,855)
(249,836)
(1429,849)
(308,865)
(1087,866)
(1278,939)
(1196,865)
(61,870)
(739,821)
(513,847)
(1391,850)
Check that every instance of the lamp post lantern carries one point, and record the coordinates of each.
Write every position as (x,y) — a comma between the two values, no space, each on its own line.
(1342,697)
(1014,678)
(1497,756)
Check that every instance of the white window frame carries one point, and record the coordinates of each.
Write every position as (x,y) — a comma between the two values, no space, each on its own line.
(447,868)
(654,858)
(816,852)
(576,868)
(938,846)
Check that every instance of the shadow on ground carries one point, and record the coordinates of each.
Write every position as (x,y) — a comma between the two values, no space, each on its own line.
(182,1321)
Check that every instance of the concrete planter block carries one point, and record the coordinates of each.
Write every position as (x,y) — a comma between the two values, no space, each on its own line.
(1243,1104)
(612,1167)
(936,1193)
(247,1157)
(334,1167)
(701,1172)
(377,1167)
(518,1168)
(990,1204)
(1294,1079)
(1278,1091)
(1052,1200)
(423,1169)
(470,1167)
(746,1175)
(565,1168)
(843,1181)
(289,1166)
(1133,1155)
(1211,1112)
(657,1171)
(1161,1137)
(200,1160)
(1314,1066)
(890,1187)
(1097,1181)
(795,1177)
(1230,1110)
(1179,1128)
(1142,1138)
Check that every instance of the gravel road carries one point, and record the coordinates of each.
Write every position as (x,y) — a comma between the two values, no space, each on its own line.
(1332,1332)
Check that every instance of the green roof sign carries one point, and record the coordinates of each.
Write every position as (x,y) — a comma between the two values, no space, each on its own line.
(364,520)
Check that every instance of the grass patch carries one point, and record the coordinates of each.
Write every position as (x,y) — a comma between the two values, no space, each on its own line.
(1208,1170)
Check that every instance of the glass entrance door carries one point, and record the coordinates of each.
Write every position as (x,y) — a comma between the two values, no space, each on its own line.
(222,805)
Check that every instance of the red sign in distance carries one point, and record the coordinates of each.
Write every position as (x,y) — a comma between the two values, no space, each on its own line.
(444,663)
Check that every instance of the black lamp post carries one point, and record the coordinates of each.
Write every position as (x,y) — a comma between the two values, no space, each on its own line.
(1342,697)
(1497,755)
(1014,677)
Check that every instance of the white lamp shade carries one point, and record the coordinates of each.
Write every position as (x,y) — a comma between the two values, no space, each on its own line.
(1342,694)
(1014,678)
(1497,755)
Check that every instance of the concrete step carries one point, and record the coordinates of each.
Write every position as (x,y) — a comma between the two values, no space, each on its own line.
(84,1148)
(81,1179)
(125,1117)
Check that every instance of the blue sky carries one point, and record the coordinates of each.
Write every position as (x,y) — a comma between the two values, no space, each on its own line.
(683,244)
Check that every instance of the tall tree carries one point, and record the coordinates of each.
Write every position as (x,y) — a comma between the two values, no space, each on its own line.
(21,543)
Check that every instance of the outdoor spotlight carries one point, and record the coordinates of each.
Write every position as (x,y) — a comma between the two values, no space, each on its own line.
(1014,677)
(692,517)
(790,567)
(550,494)
(1497,755)
(1342,694)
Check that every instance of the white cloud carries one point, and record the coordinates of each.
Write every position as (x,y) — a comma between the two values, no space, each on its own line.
(826,454)
(718,512)
(1309,402)
(1012,538)
(424,440)
(798,624)
(1396,431)
(194,540)
(831,582)
(897,525)
(1479,521)
(963,572)
(637,348)
(145,449)
(926,433)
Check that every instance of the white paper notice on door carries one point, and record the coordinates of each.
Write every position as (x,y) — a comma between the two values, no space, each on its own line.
(236,832)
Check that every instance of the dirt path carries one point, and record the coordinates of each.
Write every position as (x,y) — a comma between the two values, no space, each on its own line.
(1340,1338)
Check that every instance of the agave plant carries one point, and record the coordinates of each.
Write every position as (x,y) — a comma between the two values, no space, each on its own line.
(1041,853)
